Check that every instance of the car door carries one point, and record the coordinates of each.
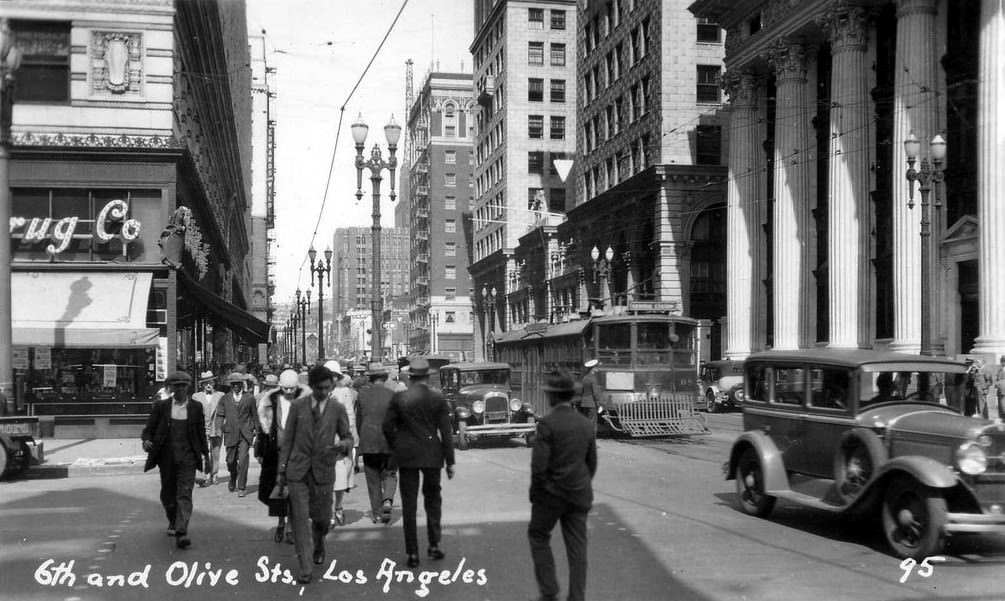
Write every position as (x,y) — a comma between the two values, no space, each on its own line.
(828,417)
(787,427)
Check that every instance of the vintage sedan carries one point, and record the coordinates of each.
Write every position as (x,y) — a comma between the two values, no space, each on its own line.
(721,385)
(860,432)
(481,403)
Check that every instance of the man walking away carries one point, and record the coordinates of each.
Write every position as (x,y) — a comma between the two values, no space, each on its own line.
(210,399)
(591,395)
(235,418)
(417,428)
(378,465)
(307,464)
(562,466)
(175,441)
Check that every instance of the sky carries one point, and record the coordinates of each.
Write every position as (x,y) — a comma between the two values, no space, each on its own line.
(320,48)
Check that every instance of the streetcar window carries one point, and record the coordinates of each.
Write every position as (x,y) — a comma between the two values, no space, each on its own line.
(614,343)
(654,336)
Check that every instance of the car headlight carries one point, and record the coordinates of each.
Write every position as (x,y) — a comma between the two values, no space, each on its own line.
(478,406)
(515,404)
(971,459)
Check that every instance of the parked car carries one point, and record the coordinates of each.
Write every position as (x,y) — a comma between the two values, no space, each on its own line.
(482,405)
(721,384)
(19,447)
(860,432)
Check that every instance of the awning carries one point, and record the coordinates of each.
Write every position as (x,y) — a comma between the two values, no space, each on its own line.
(239,321)
(81,309)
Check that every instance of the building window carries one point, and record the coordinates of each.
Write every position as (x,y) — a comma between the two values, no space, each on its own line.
(450,226)
(612,74)
(535,18)
(535,53)
(535,126)
(558,55)
(708,84)
(450,203)
(588,35)
(450,293)
(558,19)
(556,200)
(535,162)
(644,39)
(588,137)
(558,90)
(450,157)
(450,316)
(450,272)
(708,31)
(44,75)
(611,123)
(450,180)
(450,250)
(535,199)
(558,128)
(708,144)
(535,90)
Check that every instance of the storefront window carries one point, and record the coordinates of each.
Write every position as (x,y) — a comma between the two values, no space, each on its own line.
(62,375)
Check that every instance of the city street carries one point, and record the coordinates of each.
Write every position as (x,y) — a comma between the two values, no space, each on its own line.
(664,526)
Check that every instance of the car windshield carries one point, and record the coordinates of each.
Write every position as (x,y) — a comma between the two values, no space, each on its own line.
(912,385)
(499,376)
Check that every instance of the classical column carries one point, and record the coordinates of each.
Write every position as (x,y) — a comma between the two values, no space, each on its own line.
(915,110)
(849,224)
(668,276)
(744,292)
(794,292)
(991,177)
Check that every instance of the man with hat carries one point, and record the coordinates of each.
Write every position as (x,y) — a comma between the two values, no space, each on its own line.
(591,394)
(175,441)
(417,428)
(562,466)
(210,399)
(235,418)
(378,465)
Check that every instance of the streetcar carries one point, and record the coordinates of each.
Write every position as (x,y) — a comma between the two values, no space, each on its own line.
(648,367)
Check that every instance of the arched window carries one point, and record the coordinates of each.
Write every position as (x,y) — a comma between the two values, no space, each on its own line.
(450,120)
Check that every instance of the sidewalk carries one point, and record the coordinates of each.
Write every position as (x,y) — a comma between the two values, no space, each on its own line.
(68,458)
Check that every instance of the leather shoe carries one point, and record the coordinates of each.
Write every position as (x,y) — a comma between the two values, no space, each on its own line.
(183,542)
(305,578)
(385,511)
(434,552)
(280,531)
(232,486)
(242,493)
(413,560)
(319,555)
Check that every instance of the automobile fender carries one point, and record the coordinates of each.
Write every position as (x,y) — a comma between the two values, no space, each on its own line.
(775,478)
(923,469)
(8,443)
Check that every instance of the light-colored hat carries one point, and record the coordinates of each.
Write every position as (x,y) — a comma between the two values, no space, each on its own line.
(272,380)
(336,369)
(376,369)
(418,367)
(591,364)
(206,376)
(289,379)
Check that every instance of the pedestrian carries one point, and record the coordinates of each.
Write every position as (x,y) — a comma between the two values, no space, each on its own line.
(999,411)
(417,428)
(562,465)
(345,472)
(378,464)
(235,417)
(273,411)
(397,383)
(317,435)
(210,399)
(591,393)
(175,441)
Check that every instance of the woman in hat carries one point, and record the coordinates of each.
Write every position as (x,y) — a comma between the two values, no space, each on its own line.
(273,411)
(345,473)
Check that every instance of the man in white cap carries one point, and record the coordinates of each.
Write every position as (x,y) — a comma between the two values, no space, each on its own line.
(210,399)
(592,393)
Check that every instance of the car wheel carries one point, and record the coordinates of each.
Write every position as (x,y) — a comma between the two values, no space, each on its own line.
(462,435)
(914,518)
(710,402)
(3,460)
(860,454)
(750,485)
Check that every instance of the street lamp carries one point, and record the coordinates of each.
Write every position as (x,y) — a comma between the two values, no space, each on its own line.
(928,178)
(376,164)
(10,60)
(294,321)
(322,269)
(488,301)
(303,306)
(602,268)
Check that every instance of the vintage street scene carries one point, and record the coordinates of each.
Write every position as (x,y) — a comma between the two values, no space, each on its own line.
(502,300)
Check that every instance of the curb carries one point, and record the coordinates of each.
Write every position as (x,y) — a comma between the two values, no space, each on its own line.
(49,471)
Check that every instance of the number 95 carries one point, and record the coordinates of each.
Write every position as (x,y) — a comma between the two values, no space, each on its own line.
(925,569)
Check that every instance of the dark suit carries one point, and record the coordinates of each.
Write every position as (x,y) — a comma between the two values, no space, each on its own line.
(177,469)
(417,427)
(591,397)
(307,460)
(378,466)
(562,466)
(235,418)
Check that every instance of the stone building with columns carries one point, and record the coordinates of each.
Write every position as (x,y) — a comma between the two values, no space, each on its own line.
(825,231)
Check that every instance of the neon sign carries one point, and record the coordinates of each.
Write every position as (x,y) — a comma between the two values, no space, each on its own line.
(36,229)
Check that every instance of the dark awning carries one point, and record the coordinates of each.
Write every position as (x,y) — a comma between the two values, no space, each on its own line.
(239,321)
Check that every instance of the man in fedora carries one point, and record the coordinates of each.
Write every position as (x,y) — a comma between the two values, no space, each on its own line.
(175,441)
(210,399)
(378,465)
(417,428)
(562,466)
(235,418)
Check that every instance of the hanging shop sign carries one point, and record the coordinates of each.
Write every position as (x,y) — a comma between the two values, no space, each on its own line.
(110,224)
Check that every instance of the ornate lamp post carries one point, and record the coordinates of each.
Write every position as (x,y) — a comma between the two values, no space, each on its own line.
(376,164)
(303,306)
(294,321)
(602,268)
(10,60)
(488,301)
(322,269)
(928,178)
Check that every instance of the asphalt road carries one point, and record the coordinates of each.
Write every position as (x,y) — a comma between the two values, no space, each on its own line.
(664,527)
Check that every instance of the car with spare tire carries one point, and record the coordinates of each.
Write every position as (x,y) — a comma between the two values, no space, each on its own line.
(482,403)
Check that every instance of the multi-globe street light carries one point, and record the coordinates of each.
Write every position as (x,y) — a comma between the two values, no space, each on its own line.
(321,269)
(376,164)
(602,268)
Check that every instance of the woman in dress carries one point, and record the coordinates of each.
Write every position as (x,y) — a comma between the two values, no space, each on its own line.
(345,472)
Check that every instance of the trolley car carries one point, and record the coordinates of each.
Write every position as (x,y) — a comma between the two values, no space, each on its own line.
(648,367)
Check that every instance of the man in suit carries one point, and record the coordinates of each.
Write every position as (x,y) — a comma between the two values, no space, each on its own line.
(235,418)
(417,427)
(210,399)
(307,464)
(175,441)
(562,466)
(378,465)
(591,394)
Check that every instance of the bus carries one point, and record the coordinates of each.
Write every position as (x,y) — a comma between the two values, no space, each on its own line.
(648,367)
